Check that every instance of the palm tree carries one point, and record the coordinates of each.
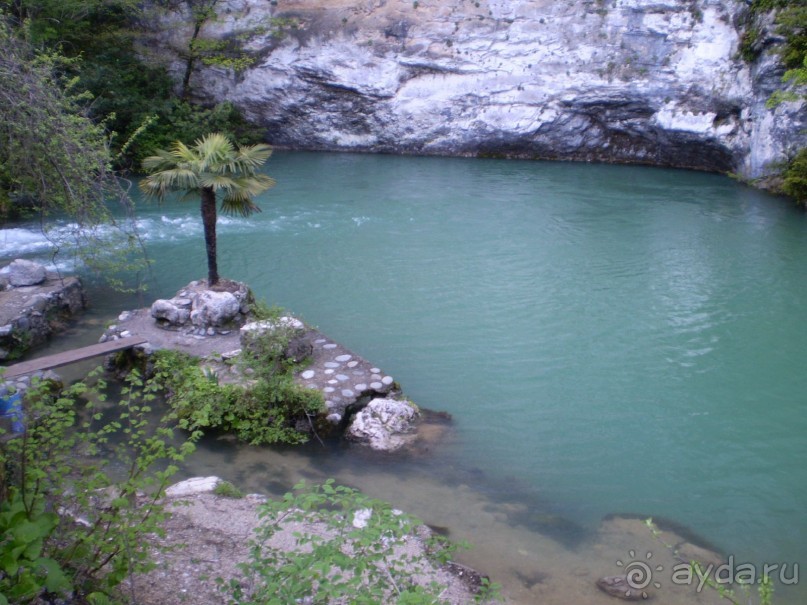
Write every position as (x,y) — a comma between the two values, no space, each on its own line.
(210,166)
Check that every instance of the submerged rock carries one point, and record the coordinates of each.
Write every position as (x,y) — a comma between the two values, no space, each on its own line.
(620,587)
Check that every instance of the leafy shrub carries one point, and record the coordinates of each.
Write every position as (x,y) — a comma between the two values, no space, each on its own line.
(73,516)
(795,177)
(266,411)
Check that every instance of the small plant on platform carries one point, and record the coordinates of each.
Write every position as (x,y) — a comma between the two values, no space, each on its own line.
(266,410)
(225,489)
(350,548)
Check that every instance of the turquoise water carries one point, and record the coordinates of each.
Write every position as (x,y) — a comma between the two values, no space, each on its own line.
(608,339)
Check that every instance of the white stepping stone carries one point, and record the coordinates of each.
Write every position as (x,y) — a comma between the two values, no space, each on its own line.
(375,371)
(329,372)
(328,390)
(331,364)
(360,387)
(376,386)
(343,358)
(347,393)
(376,377)
(333,382)
(307,374)
(319,341)
(329,346)
(387,380)
(341,377)
(352,364)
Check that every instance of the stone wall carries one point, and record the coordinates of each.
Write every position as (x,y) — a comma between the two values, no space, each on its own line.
(34,304)
(650,81)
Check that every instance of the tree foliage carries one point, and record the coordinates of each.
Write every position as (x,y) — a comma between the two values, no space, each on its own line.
(55,160)
(80,491)
(211,167)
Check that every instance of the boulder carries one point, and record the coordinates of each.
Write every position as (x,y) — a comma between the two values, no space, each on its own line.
(23,272)
(214,308)
(192,486)
(170,312)
(384,424)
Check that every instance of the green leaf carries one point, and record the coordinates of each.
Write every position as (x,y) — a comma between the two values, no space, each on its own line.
(55,579)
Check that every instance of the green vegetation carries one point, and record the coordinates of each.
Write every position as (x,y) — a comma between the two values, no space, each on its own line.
(122,93)
(79,492)
(211,166)
(350,548)
(265,411)
(54,160)
(791,22)
(80,495)
(225,489)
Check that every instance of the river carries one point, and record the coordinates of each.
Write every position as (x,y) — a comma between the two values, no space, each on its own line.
(608,339)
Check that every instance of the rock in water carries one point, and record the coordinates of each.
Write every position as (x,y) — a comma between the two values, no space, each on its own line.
(23,272)
(618,586)
(384,424)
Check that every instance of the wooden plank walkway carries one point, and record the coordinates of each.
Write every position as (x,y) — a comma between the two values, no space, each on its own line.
(68,357)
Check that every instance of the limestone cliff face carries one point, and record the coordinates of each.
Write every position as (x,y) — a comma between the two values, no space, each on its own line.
(650,81)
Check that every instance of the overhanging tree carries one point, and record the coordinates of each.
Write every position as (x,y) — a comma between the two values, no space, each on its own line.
(211,166)
(55,161)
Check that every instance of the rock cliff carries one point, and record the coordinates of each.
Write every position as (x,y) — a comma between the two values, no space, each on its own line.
(650,81)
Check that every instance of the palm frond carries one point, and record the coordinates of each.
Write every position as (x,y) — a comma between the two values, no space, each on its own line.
(238,202)
(253,156)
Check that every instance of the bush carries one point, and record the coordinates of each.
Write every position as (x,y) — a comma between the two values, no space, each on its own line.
(266,411)
(79,492)
(795,177)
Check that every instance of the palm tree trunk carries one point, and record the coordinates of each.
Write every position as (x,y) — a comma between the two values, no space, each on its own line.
(209,223)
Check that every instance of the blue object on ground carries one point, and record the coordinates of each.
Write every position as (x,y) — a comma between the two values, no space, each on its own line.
(11,407)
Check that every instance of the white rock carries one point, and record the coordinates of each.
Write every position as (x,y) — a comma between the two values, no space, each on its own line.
(165,309)
(343,358)
(384,424)
(566,79)
(214,308)
(22,272)
(192,486)
(307,374)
